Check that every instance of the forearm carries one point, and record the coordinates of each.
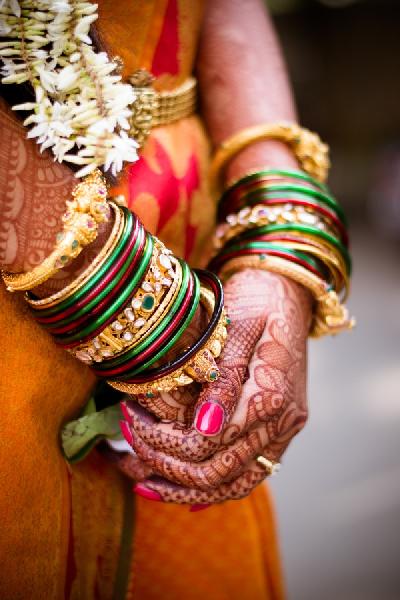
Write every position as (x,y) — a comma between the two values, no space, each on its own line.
(33,194)
(243,80)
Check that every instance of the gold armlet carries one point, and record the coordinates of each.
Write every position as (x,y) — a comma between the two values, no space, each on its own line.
(154,109)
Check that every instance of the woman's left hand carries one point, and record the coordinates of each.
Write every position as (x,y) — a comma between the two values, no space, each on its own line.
(261,393)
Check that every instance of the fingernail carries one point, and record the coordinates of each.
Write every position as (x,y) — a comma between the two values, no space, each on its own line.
(146,492)
(210,418)
(125,412)
(197,507)
(126,432)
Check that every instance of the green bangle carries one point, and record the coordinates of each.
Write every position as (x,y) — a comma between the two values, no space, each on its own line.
(75,296)
(264,230)
(120,360)
(280,172)
(108,314)
(259,245)
(275,192)
(185,323)
(99,297)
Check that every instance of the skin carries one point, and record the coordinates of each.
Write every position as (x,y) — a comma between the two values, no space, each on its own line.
(267,400)
(262,385)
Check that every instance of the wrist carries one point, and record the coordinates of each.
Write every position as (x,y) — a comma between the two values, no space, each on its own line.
(270,153)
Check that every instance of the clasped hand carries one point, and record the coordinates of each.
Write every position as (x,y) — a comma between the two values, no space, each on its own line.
(201,447)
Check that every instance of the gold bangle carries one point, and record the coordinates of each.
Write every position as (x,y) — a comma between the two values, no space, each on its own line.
(198,368)
(91,270)
(258,215)
(311,153)
(161,285)
(332,260)
(88,208)
(330,316)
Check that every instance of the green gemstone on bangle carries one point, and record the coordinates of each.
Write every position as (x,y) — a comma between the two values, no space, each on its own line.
(148,302)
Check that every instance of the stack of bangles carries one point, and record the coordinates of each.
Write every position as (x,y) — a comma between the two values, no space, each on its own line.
(287,222)
(131,305)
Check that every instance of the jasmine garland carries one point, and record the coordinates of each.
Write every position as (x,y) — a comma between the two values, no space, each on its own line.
(81,109)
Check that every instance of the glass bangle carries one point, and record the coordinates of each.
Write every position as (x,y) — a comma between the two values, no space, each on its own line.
(106,318)
(151,345)
(156,333)
(275,250)
(212,281)
(258,176)
(97,276)
(90,301)
(256,232)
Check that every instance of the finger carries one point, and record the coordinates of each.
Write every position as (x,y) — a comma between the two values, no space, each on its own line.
(177,405)
(246,303)
(161,490)
(173,438)
(131,466)
(224,465)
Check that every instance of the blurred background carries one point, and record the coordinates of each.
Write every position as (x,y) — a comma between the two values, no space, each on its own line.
(338,493)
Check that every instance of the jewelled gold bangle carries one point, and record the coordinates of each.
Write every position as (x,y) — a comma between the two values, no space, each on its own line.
(330,316)
(311,153)
(196,369)
(88,208)
(94,266)
(259,215)
(147,308)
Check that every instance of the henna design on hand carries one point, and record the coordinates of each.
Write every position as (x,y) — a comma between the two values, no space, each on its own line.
(233,490)
(271,409)
(32,196)
(131,466)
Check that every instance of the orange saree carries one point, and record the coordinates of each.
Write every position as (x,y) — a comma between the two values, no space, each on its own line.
(78,532)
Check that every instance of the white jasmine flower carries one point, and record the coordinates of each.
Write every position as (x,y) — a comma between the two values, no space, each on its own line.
(82,110)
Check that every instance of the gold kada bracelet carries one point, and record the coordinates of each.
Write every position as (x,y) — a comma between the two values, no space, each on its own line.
(201,367)
(311,153)
(330,316)
(88,208)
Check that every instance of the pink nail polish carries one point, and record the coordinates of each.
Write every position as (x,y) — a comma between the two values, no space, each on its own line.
(126,432)
(210,418)
(125,412)
(197,507)
(147,493)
